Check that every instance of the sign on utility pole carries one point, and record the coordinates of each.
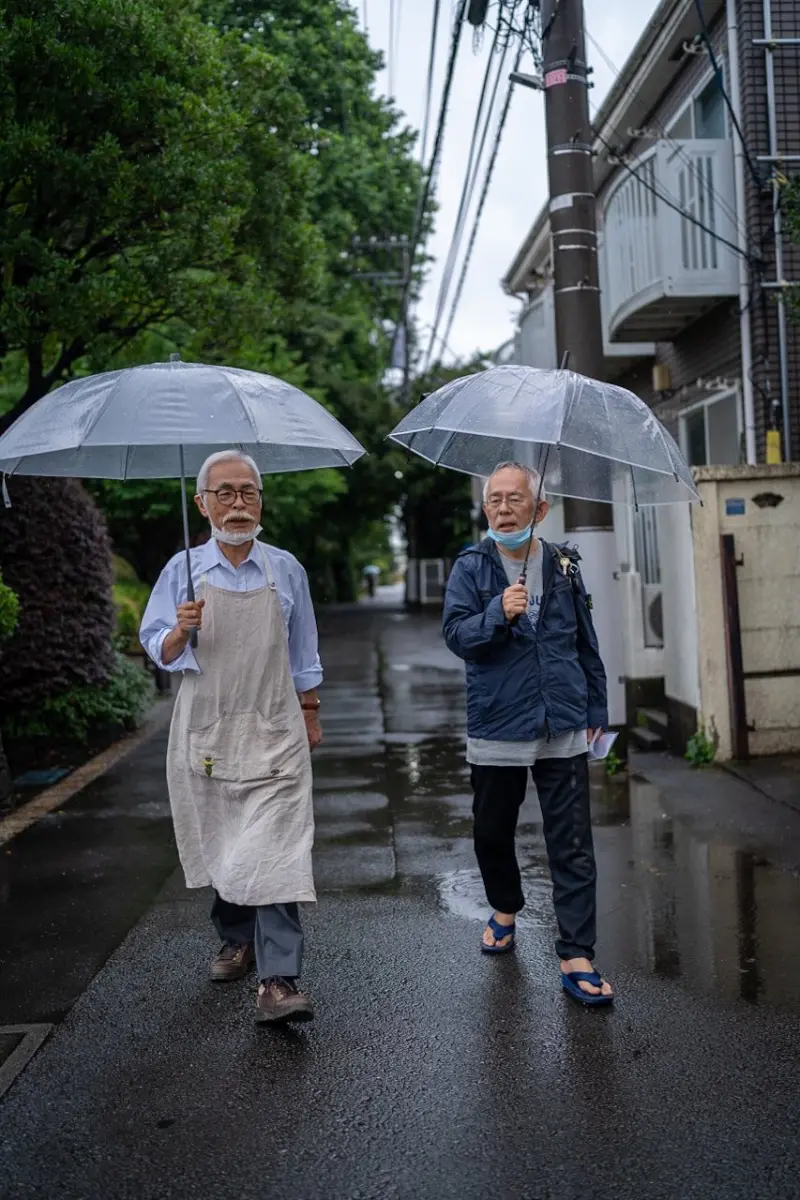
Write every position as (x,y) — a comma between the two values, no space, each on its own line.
(577,296)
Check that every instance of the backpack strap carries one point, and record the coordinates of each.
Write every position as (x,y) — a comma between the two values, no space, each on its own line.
(567,558)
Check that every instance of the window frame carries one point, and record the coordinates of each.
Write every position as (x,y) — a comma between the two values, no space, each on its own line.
(704,405)
(689,103)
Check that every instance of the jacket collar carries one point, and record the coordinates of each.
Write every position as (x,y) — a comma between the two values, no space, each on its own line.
(489,550)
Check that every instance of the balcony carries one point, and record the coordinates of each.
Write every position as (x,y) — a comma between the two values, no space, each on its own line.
(662,270)
(536,338)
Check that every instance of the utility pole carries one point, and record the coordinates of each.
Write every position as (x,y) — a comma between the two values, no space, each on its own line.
(577,299)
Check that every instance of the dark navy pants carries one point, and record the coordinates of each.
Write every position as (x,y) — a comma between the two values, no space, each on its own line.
(563,788)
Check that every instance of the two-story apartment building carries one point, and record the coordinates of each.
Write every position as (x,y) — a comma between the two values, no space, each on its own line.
(693,266)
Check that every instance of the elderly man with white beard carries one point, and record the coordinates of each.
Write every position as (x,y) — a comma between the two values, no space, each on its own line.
(245,720)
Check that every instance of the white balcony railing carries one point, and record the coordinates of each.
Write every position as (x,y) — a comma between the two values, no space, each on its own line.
(665,262)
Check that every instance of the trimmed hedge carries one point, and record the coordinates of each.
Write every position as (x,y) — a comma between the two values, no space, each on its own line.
(86,712)
(56,555)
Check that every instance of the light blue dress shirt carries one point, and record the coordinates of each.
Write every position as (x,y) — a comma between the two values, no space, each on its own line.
(291,583)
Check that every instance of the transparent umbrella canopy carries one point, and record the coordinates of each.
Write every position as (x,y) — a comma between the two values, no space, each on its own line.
(589,440)
(163,420)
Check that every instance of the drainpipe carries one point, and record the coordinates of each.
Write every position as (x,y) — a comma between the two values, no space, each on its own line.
(740,200)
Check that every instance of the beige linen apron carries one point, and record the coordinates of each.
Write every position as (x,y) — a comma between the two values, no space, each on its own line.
(238,762)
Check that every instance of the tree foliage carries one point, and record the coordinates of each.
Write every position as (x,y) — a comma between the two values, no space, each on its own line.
(209,178)
(436,503)
(55,554)
(149,170)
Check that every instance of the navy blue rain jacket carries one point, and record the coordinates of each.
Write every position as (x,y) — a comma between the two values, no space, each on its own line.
(521,683)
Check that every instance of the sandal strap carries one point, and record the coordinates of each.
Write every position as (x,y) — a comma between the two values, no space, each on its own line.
(501,931)
(584,976)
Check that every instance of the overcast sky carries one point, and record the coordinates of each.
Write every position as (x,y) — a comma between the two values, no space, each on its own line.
(485,318)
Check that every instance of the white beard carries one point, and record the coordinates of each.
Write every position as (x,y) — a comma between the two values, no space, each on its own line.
(235,539)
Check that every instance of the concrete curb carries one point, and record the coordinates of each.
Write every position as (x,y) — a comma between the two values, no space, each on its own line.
(54,797)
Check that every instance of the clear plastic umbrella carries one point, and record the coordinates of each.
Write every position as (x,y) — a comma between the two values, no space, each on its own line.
(162,421)
(589,440)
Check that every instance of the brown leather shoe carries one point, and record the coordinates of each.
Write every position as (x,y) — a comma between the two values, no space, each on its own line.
(232,962)
(279,1000)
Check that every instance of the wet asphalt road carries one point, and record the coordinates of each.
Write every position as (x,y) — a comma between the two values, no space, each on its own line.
(430,1071)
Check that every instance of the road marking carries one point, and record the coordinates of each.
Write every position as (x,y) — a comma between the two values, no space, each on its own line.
(54,797)
(33,1036)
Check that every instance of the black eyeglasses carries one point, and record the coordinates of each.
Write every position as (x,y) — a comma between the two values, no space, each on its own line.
(227,495)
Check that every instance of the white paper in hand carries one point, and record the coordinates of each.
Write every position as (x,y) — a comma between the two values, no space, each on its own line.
(600,746)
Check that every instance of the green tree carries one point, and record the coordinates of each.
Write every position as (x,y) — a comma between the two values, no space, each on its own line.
(149,171)
(364,184)
(436,504)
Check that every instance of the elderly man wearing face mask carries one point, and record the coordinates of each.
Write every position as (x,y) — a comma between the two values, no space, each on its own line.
(245,720)
(516,611)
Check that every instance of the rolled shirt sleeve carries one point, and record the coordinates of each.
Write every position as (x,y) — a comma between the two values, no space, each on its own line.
(304,660)
(160,617)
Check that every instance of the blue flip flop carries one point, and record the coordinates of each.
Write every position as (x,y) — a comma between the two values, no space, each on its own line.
(570,984)
(500,932)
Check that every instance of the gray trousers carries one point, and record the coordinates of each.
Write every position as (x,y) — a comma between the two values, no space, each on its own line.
(274,930)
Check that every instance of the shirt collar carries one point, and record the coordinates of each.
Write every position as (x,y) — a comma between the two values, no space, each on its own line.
(213,556)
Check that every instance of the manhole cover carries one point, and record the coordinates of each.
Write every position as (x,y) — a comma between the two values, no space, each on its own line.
(18,1044)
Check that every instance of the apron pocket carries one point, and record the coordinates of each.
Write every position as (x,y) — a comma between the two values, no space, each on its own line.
(242,748)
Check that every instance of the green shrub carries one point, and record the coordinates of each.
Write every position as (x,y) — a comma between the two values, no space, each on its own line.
(130,600)
(56,555)
(75,715)
(614,764)
(700,749)
(9,611)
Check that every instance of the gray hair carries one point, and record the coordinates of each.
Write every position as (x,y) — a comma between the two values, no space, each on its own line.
(533,477)
(225,456)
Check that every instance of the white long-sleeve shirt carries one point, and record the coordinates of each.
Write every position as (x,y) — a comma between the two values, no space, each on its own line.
(291,583)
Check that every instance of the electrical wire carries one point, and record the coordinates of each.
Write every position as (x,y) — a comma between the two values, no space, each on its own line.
(481,203)
(390,55)
(676,146)
(429,86)
(483,116)
(425,191)
(706,36)
(670,203)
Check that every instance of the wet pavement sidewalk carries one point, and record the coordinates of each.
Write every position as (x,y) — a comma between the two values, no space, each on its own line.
(430,1070)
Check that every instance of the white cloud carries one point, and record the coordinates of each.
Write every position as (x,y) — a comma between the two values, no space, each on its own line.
(485,317)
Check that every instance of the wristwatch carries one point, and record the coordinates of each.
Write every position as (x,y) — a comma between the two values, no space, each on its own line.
(311,706)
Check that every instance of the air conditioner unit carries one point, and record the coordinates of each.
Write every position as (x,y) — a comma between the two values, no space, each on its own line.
(653,612)
(431,581)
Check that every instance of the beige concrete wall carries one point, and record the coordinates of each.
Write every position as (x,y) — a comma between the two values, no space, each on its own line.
(768,540)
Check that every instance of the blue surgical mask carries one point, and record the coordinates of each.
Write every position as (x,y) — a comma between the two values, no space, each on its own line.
(511,541)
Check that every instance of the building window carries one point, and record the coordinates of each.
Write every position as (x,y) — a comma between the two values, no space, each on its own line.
(703,117)
(709,113)
(711,432)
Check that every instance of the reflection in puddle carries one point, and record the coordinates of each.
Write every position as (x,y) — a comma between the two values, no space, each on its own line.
(724,921)
(706,910)
(461,892)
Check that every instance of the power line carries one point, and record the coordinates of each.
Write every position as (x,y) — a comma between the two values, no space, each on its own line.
(671,203)
(390,62)
(721,85)
(475,155)
(429,86)
(661,129)
(481,203)
(422,207)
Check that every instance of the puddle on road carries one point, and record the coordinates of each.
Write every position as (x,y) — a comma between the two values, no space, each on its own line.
(671,903)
